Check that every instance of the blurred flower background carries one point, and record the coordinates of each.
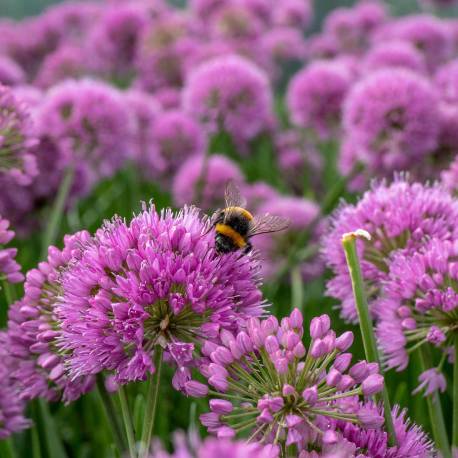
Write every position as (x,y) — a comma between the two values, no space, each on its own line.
(126,331)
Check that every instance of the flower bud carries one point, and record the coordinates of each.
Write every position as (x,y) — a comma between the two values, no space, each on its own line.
(265,417)
(318,349)
(333,377)
(196,389)
(359,371)
(345,341)
(319,326)
(295,319)
(372,385)
(310,395)
(271,344)
(342,362)
(221,406)
(225,432)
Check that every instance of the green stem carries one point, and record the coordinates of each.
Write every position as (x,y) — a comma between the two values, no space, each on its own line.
(127,422)
(57,211)
(49,432)
(297,288)
(7,448)
(110,412)
(365,321)
(151,405)
(455,398)
(435,409)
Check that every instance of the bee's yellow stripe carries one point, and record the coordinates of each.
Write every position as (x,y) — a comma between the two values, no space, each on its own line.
(233,235)
(241,210)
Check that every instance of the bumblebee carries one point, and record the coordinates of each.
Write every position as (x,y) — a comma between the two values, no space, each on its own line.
(235,225)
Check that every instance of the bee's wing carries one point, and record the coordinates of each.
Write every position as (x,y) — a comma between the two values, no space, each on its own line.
(232,198)
(232,195)
(268,223)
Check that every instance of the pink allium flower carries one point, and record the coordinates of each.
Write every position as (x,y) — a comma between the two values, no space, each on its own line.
(10,270)
(395,54)
(412,442)
(257,194)
(229,94)
(17,136)
(204,9)
(352,27)
(155,281)
(428,34)
(11,73)
(211,448)
(418,305)
(90,122)
(293,13)
(391,122)
(145,111)
(164,50)
(446,80)
(300,212)
(315,96)
(176,137)
(287,402)
(11,405)
(400,216)
(114,38)
(199,181)
(68,61)
(299,160)
(30,95)
(33,330)
(449,177)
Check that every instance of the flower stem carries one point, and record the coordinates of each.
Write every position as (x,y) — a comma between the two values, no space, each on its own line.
(435,410)
(455,398)
(297,288)
(7,448)
(111,414)
(151,405)
(55,217)
(365,321)
(127,422)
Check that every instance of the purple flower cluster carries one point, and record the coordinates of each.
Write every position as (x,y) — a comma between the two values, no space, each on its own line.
(34,331)
(419,303)
(11,405)
(229,94)
(401,216)
(287,394)
(153,283)
(10,270)
(200,178)
(16,138)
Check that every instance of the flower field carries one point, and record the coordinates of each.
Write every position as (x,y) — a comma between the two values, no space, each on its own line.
(229,228)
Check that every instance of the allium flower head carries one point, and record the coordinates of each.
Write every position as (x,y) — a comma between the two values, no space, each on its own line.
(10,270)
(212,447)
(419,303)
(412,442)
(293,13)
(154,282)
(11,405)
(164,50)
(201,181)
(34,331)
(391,121)
(16,138)
(395,53)
(449,177)
(177,137)
(400,216)
(229,94)
(114,38)
(288,394)
(351,28)
(300,212)
(428,34)
(145,111)
(11,73)
(68,61)
(315,96)
(446,80)
(90,122)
